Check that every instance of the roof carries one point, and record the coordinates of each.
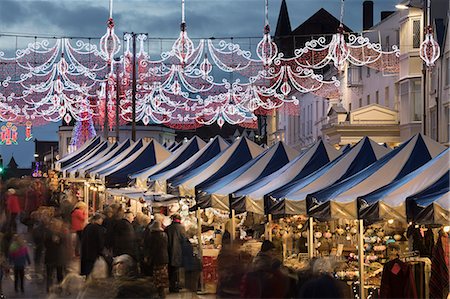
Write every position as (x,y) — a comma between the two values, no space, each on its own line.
(283,23)
(321,22)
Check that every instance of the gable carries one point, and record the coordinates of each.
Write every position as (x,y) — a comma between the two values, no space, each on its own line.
(374,114)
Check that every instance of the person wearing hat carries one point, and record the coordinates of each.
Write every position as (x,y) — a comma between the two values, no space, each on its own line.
(175,235)
(92,244)
(13,208)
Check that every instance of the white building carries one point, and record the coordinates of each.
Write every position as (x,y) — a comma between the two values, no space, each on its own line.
(438,108)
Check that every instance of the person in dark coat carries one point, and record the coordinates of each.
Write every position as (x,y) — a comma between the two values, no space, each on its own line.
(175,234)
(56,242)
(156,256)
(124,237)
(92,244)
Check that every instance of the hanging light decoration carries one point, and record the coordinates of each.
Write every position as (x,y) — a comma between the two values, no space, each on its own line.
(429,48)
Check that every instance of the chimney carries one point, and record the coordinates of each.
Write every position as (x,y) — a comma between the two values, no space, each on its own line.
(367,15)
(385,14)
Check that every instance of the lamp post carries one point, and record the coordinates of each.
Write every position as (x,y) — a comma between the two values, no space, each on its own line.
(429,52)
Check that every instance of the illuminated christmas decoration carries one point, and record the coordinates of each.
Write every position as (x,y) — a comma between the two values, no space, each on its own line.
(28,134)
(429,48)
(80,81)
(9,134)
(82,131)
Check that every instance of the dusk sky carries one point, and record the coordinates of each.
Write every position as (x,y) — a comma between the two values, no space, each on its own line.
(158,18)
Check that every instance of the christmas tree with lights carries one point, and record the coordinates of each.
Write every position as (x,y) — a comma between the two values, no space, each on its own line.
(83,131)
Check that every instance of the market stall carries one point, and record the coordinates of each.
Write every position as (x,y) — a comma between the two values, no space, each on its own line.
(216,195)
(239,153)
(186,151)
(159,182)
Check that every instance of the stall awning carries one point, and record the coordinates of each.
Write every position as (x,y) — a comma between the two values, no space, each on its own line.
(148,155)
(101,161)
(339,200)
(112,163)
(291,198)
(251,197)
(96,151)
(213,148)
(69,159)
(388,202)
(216,195)
(239,153)
(186,151)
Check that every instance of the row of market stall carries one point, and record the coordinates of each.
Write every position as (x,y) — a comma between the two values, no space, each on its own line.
(366,188)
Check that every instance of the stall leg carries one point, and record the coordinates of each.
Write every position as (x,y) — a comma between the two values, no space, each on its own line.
(269,227)
(233,226)
(86,194)
(200,247)
(361,259)
(310,237)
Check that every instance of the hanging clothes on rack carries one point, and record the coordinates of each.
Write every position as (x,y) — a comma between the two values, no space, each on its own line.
(423,240)
(397,280)
(439,284)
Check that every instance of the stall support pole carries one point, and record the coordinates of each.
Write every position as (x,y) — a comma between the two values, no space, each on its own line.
(310,237)
(361,259)
(86,194)
(233,226)
(200,247)
(269,227)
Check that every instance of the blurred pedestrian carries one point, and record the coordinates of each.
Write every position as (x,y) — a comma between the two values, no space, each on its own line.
(124,237)
(79,219)
(13,209)
(266,279)
(156,256)
(175,234)
(19,258)
(92,244)
(57,250)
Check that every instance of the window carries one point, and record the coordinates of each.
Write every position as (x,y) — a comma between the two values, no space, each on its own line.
(447,78)
(447,122)
(112,139)
(360,102)
(386,96)
(147,139)
(350,107)
(416,34)
(433,128)
(377,97)
(368,99)
(368,72)
(404,100)
(388,44)
(416,100)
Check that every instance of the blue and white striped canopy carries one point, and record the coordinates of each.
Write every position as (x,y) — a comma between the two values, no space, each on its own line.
(216,195)
(148,155)
(159,182)
(239,153)
(291,198)
(78,154)
(95,152)
(186,151)
(340,199)
(251,197)
(389,201)
(82,172)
